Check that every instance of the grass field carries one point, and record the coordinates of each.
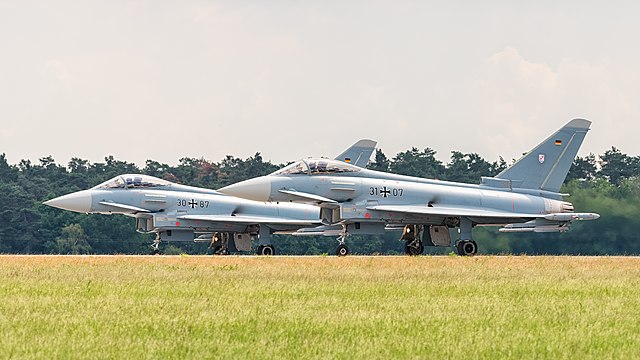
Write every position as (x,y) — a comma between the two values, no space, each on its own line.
(319,307)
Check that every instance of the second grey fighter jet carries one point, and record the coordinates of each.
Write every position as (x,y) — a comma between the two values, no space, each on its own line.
(525,197)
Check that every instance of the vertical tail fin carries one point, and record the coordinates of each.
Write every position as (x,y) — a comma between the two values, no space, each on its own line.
(546,166)
(359,153)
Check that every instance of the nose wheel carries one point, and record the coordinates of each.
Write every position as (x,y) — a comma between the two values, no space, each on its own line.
(342,250)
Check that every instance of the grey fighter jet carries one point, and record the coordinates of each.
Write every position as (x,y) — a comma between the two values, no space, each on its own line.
(525,197)
(177,212)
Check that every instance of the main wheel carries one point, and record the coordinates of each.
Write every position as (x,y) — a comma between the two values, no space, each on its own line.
(267,250)
(467,248)
(342,250)
(413,248)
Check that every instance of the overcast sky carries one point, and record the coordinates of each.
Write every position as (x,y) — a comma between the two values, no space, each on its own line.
(164,80)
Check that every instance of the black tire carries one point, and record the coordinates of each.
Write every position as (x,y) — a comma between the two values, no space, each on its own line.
(267,250)
(467,248)
(413,248)
(259,249)
(342,250)
(476,246)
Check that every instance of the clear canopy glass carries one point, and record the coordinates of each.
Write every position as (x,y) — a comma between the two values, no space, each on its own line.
(316,167)
(299,167)
(132,181)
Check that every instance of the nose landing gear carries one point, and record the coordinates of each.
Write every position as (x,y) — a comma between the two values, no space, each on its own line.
(342,249)
(155,247)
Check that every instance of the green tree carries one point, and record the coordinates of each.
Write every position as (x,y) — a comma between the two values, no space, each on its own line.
(616,166)
(468,168)
(583,168)
(418,163)
(380,163)
(73,241)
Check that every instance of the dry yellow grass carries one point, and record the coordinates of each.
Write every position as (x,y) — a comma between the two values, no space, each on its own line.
(319,307)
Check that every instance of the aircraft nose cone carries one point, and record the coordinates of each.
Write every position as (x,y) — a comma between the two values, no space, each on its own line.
(78,201)
(258,189)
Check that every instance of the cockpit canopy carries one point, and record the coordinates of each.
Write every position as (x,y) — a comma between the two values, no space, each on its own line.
(317,167)
(132,181)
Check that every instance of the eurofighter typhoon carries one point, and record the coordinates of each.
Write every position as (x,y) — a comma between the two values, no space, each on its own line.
(525,197)
(176,212)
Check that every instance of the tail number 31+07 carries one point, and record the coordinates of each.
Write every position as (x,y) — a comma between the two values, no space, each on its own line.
(385,191)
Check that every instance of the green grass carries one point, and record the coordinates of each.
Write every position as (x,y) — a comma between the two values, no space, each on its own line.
(319,307)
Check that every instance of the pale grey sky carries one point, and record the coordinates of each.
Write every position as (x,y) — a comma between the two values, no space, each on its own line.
(163,80)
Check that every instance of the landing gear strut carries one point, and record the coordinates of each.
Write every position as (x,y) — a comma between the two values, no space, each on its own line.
(155,247)
(264,242)
(466,246)
(220,243)
(412,243)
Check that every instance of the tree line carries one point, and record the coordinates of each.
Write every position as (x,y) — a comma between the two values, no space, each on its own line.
(608,184)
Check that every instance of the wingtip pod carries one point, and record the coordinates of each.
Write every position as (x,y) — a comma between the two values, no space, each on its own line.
(572,216)
(579,124)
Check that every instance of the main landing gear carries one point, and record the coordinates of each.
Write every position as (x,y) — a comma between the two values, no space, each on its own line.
(220,243)
(264,242)
(412,243)
(267,250)
(466,246)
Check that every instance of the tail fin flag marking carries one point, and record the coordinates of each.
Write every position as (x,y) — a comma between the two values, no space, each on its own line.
(359,153)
